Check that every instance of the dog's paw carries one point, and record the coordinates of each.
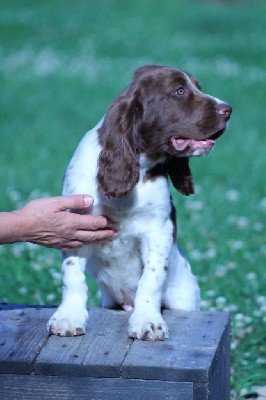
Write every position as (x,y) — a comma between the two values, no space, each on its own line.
(63,324)
(149,328)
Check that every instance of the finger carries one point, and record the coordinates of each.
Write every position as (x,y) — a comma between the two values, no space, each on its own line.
(94,222)
(84,239)
(73,245)
(75,202)
(90,237)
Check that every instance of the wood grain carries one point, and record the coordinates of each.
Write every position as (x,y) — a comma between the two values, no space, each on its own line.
(194,363)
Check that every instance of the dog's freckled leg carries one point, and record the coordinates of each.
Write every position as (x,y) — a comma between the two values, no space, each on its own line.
(70,317)
(148,300)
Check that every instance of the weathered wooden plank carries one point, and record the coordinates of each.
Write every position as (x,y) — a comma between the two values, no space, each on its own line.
(22,335)
(197,351)
(16,306)
(189,353)
(219,382)
(15,387)
(99,353)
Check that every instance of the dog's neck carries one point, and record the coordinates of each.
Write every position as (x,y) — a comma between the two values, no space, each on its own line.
(147,165)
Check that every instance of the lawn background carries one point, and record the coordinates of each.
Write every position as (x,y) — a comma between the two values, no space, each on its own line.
(61,64)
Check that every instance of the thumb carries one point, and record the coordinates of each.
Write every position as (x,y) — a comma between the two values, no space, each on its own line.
(76,202)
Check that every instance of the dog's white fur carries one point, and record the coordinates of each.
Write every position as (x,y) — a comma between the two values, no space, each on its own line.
(141,269)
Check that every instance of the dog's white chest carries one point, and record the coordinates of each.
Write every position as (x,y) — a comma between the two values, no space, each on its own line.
(117,268)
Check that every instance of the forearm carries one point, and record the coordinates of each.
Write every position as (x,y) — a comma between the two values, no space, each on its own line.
(10,228)
(48,222)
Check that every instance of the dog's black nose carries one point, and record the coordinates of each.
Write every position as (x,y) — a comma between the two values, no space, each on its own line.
(225,110)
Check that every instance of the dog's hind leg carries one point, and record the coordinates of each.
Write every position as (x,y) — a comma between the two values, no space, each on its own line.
(181,290)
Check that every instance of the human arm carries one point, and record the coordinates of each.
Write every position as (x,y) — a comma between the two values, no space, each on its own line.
(48,222)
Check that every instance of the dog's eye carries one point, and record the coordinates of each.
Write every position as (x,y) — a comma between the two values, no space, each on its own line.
(180,91)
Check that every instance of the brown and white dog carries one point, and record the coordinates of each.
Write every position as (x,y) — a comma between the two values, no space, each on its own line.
(148,134)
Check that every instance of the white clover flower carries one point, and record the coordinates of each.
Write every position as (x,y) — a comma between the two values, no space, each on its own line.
(242,222)
(204,303)
(247,319)
(261,360)
(236,244)
(49,260)
(98,295)
(23,290)
(55,274)
(231,265)
(50,297)
(263,308)
(211,293)
(17,249)
(261,300)
(258,226)
(37,296)
(263,203)
(203,278)
(263,249)
(196,255)
(257,313)
(195,205)
(243,392)
(239,324)
(221,271)
(234,344)
(251,276)
(232,195)
(249,329)
(198,189)
(233,307)
(36,266)
(221,300)
(14,195)
(211,253)
(32,246)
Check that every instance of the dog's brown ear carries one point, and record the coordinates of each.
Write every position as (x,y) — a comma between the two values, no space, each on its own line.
(118,163)
(179,172)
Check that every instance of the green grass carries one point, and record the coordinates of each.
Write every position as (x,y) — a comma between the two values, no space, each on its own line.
(61,64)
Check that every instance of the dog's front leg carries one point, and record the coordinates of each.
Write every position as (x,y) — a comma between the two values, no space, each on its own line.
(70,317)
(146,322)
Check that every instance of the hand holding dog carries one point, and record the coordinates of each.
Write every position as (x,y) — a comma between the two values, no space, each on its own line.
(48,222)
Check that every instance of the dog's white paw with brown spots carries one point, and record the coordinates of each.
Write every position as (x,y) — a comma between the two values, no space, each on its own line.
(65,324)
(147,327)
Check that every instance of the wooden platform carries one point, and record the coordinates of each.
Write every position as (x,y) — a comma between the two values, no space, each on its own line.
(105,364)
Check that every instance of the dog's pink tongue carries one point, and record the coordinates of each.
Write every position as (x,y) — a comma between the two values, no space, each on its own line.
(181,144)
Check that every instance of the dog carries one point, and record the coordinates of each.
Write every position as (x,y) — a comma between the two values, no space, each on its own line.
(148,135)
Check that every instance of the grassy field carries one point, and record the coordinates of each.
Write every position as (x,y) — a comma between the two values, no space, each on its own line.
(62,62)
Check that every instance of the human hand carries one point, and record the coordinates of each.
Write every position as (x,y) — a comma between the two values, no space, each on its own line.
(48,222)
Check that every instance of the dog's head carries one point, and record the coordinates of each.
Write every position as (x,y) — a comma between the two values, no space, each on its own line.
(164,116)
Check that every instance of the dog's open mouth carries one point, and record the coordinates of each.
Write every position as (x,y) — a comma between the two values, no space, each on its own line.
(183,144)
(192,147)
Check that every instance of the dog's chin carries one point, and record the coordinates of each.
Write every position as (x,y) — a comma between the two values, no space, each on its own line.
(192,148)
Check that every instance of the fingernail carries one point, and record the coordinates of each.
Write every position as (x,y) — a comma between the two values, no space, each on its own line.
(88,201)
